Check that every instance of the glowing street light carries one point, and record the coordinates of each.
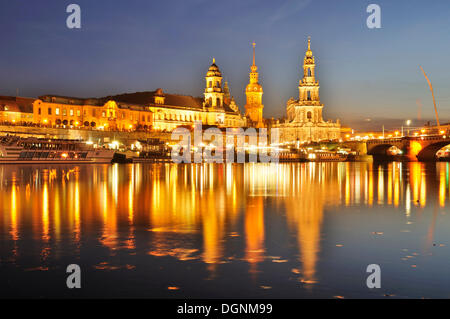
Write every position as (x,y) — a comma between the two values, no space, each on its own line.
(408,123)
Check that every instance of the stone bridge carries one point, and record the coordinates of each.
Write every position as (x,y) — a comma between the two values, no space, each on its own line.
(417,148)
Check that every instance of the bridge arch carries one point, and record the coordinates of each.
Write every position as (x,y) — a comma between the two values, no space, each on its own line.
(428,153)
(380,149)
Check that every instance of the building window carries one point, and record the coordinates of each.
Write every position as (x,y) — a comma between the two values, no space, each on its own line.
(218,102)
(64,112)
(309,71)
(103,114)
(57,111)
(39,111)
(78,113)
(49,111)
(309,115)
(71,112)
(309,95)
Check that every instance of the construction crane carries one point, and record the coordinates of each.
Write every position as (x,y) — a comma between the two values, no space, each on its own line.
(434,101)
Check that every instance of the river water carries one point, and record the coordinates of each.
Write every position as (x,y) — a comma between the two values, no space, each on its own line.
(295,230)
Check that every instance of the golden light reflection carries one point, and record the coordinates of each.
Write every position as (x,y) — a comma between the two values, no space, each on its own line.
(131,196)
(254,231)
(77,227)
(380,185)
(442,188)
(199,211)
(109,213)
(415,177)
(396,187)
(45,209)
(370,187)
(14,202)
(305,211)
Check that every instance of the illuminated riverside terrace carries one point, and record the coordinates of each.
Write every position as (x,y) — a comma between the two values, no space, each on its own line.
(293,230)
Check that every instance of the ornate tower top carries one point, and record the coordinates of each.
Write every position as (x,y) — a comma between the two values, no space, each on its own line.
(226,93)
(254,72)
(309,58)
(308,85)
(226,88)
(213,70)
(254,68)
(214,96)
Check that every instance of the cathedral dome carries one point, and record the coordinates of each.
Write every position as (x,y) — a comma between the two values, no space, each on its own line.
(213,70)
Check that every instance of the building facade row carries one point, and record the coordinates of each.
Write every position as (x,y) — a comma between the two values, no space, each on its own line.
(151,110)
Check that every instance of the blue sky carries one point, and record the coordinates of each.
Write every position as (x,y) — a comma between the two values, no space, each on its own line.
(137,45)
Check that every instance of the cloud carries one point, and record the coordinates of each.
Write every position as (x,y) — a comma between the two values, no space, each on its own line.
(289,8)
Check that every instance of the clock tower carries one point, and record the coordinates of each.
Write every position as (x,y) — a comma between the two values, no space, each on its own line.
(254,92)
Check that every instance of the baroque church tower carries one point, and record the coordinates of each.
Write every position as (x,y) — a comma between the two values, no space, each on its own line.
(213,92)
(305,122)
(308,108)
(219,106)
(254,92)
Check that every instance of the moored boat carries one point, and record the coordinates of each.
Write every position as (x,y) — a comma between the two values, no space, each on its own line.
(31,150)
(327,156)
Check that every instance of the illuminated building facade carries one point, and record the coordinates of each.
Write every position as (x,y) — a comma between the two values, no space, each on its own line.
(172,110)
(215,108)
(304,116)
(105,114)
(152,110)
(254,92)
(16,110)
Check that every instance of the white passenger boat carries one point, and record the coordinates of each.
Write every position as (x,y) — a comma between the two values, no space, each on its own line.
(31,150)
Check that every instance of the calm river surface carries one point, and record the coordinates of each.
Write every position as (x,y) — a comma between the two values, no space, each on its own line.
(300,230)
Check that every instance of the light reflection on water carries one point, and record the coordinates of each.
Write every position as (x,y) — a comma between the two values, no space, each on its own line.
(254,230)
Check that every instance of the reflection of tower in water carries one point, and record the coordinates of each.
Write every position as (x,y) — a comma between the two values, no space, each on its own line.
(254,231)
(314,186)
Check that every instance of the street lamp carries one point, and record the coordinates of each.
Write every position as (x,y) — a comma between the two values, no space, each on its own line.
(408,123)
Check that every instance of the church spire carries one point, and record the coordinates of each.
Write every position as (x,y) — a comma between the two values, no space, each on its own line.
(254,68)
(309,55)
(308,85)
(254,44)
